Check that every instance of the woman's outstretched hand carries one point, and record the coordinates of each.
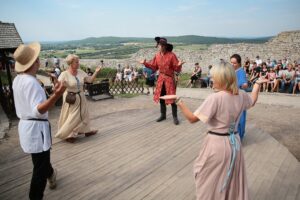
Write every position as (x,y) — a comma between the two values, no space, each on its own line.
(143,61)
(174,97)
(98,69)
(180,62)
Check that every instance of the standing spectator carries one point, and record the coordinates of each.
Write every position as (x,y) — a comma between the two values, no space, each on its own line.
(46,63)
(207,79)
(195,75)
(242,83)
(149,75)
(167,63)
(55,61)
(32,110)
(258,61)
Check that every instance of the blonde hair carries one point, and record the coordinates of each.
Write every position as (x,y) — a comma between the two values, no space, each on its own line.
(70,58)
(224,75)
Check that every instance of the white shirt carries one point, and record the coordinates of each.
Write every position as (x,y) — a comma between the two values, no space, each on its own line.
(258,62)
(35,136)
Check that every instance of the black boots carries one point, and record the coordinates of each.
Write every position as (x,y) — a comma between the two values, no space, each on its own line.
(174,113)
(163,111)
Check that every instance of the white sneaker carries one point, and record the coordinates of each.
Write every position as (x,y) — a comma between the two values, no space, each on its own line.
(52,180)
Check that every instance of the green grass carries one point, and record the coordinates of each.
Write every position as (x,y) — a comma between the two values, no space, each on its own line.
(184,79)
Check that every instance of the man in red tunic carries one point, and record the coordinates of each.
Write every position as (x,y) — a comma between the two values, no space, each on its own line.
(167,63)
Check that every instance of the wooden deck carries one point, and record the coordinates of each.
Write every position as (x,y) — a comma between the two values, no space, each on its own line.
(133,157)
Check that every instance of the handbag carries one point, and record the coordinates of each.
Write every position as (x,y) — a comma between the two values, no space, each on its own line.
(71,97)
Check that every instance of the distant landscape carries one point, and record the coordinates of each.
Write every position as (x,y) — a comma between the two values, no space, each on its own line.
(124,47)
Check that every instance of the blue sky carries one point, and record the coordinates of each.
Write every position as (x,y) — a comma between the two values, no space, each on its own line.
(57,20)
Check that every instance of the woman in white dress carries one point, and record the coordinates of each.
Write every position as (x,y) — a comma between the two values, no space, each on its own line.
(74,118)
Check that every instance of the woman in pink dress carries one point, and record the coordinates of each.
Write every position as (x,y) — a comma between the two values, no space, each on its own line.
(219,169)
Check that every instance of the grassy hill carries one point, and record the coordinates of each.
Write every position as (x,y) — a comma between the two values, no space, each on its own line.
(186,39)
(123,47)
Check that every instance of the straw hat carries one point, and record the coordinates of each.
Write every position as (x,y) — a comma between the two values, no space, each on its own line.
(26,55)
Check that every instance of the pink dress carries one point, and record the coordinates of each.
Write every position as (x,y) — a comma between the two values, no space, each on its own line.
(212,164)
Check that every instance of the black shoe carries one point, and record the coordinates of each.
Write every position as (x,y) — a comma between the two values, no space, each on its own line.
(175,120)
(161,118)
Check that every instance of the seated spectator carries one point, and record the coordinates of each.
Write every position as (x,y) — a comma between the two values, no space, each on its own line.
(195,75)
(57,71)
(269,63)
(247,68)
(135,74)
(127,74)
(176,77)
(274,63)
(271,77)
(89,72)
(86,84)
(285,62)
(279,73)
(297,79)
(255,71)
(288,79)
(118,76)
(263,76)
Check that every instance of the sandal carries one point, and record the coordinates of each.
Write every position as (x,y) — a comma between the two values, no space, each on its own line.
(88,134)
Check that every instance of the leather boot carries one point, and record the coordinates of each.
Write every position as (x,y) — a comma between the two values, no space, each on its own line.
(163,111)
(174,113)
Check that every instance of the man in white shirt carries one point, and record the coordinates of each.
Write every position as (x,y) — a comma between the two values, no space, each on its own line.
(32,109)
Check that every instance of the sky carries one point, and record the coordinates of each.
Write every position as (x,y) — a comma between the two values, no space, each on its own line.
(61,20)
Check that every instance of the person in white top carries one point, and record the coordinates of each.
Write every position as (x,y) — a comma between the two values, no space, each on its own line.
(32,110)
(258,61)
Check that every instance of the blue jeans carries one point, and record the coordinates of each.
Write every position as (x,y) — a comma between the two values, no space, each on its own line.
(242,124)
(206,80)
(283,85)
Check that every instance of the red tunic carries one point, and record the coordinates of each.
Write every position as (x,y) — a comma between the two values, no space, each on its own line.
(167,64)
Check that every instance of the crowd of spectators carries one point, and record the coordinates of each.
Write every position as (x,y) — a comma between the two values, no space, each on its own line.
(277,75)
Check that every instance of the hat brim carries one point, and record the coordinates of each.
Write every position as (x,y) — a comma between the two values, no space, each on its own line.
(36,48)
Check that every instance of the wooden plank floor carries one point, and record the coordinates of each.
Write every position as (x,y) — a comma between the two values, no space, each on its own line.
(133,157)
